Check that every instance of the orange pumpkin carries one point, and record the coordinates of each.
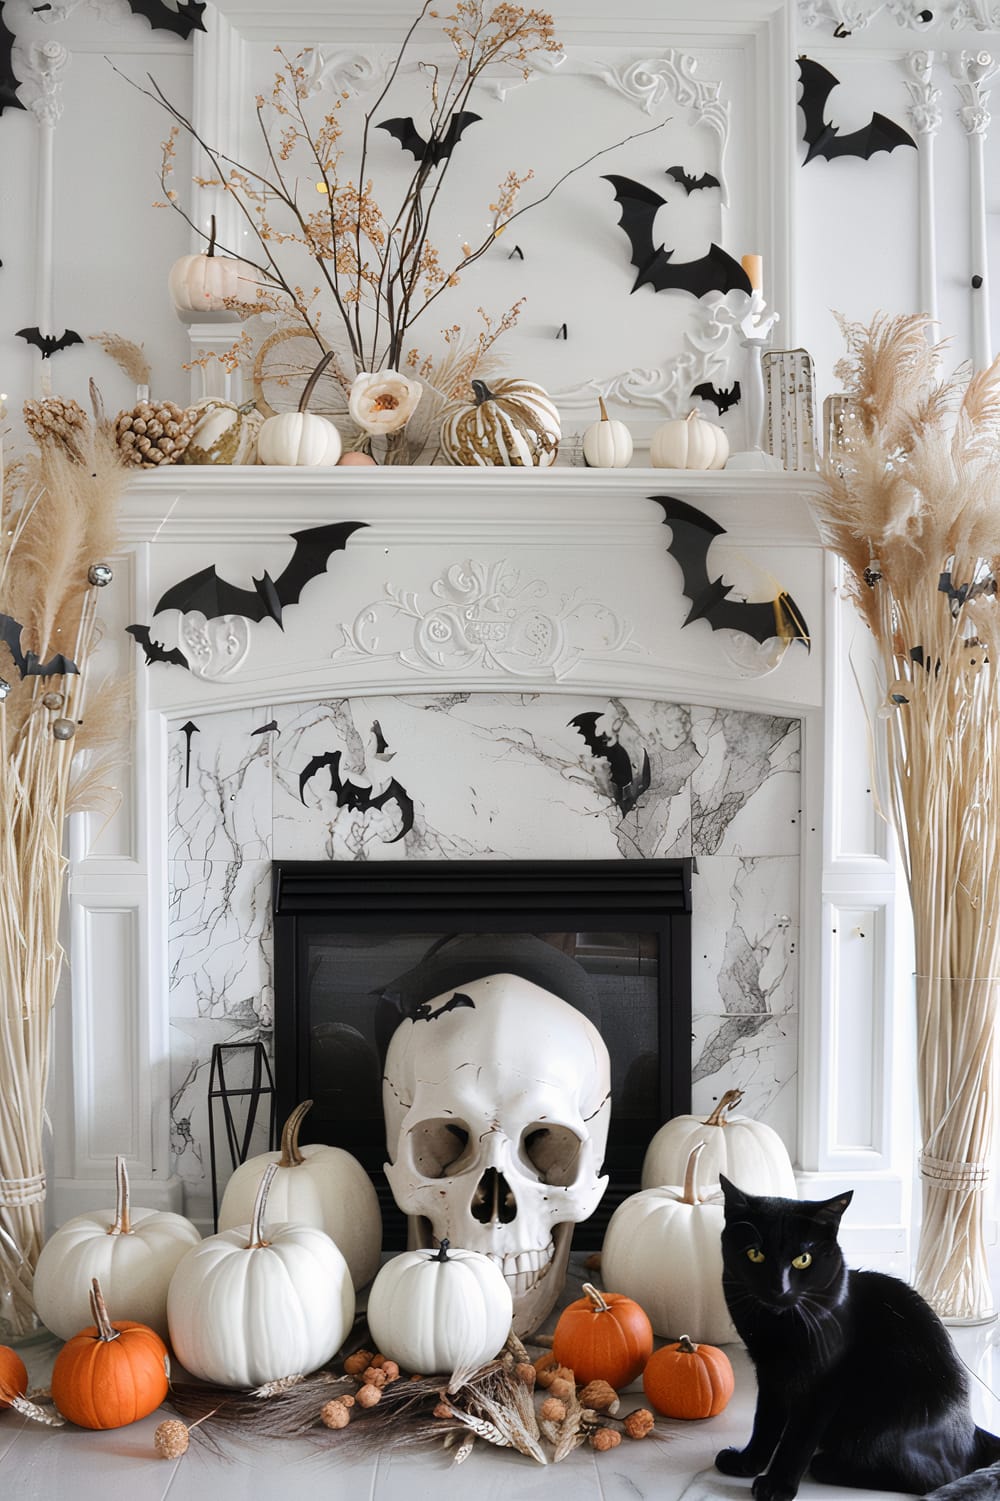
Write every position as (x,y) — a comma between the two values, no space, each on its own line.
(603,1337)
(685,1380)
(109,1374)
(13,1377)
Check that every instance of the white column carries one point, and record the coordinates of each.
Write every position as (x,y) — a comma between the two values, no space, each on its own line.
(925,116)
(973,70)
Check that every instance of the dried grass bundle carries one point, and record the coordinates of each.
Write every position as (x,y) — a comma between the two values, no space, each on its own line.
(912,506)
(129,357)
(56,733)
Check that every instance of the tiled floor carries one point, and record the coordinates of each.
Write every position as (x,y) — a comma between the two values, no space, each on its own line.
(41,1464)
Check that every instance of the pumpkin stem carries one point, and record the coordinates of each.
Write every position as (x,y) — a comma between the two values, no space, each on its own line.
(691,415)
(257,1240)
(690,1195)
(106,1331)
(685,1345)
(442,1254)
(603,408)
(122,1224)
(311,382)
(211,239)
(291,1155)
(729,1101)
(481,392)
(596,1298)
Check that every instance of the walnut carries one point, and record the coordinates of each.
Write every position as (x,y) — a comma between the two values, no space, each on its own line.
(171,1439)
(601,1396)
(605,1438)
(639,1423)
(553,1410)
(561,1387)
(335,1414)
(358,1362)
(548,1374)
(374,1375)
(526,1374)
(369,1396)
(391,1370)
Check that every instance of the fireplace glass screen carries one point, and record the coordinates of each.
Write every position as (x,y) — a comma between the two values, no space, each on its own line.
(358,949)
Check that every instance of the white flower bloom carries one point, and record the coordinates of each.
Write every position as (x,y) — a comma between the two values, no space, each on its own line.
(384,401)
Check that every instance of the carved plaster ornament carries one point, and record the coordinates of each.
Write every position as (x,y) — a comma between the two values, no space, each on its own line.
(497,1101)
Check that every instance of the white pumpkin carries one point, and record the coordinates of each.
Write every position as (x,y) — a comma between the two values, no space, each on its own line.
(663,1248)
(750,1153)
(249,1306)
(607,444)
(300,438)
(132,1254)
(515,424)
(315,1185)
(436,1311)
(203,283)
(223,433)
(689,443)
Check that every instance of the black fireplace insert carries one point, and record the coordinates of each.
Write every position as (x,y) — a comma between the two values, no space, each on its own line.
(358,946)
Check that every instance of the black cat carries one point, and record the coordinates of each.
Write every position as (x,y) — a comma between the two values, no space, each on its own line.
(857,1378)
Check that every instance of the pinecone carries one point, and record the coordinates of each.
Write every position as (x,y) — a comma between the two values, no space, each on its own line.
(149,435)
(56,419)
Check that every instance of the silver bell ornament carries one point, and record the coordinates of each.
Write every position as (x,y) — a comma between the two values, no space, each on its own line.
(100,574)
(63,729)
(52,701)
(4,689)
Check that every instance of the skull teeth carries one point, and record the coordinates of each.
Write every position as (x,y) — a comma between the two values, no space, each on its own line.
(523,1270)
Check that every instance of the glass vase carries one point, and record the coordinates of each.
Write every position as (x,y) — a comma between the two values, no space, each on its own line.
(19,1323)
(956,1086)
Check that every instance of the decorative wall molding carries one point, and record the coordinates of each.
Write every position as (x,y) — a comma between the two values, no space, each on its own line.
(972,71)
(925,116)
(484,615)
(849,16)
(214,648)
(61,10)
(41,66)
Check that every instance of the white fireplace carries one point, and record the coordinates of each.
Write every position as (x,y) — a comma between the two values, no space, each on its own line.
(472,618)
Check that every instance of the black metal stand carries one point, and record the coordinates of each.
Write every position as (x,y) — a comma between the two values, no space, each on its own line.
(253,1093)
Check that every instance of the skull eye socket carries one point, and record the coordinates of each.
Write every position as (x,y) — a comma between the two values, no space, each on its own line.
(439,1148)
(552,1152)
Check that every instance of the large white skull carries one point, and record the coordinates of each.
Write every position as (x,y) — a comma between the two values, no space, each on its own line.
(497,1100)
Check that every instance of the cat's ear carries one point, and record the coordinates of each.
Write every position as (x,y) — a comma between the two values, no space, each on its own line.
(734,1197)
(830,1211)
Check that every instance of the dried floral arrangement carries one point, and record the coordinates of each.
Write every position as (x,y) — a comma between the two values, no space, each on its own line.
(534,1408)
(60,732)
(378,271)
(912,507)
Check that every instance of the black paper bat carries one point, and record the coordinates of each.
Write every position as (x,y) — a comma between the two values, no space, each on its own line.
(628,786)
(880,134)
(350,795)
(692,184)
(27,662)
(423,1012)
(182,21)
(433,151)
(723,399)
(714,272)
(48,343)
(155,650)
(8,78)
(205,591)
(692,532)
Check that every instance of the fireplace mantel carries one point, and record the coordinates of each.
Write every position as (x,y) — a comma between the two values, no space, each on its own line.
(486,582)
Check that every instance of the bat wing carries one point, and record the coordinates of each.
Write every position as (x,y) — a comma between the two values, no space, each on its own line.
(691,535)
(27,662)
(457,127)
(313,549)
(692,184)
(407,134)
(396,792)
(182,21)
(205,591)
(618,759)
(716,271)
(638,205)
(331,759)
(880,134)
(8,78)
(10,631)
(817,83)
(632,792)
(155,650)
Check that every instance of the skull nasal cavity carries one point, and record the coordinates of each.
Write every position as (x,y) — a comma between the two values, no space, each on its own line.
(493,1202)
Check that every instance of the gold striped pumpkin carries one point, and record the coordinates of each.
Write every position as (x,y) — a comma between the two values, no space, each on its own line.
(515,423)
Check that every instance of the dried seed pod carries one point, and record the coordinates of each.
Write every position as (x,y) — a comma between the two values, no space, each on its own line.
(605,1438)
(639,1423)
(56,419)
(552,1373)
(369,1396)
(149,435)
(335,1414)
(526,1374)
(374,1376)
(552,1410)
(601,1396)
(171,1439)
(562,1388)
(442,1410)
(358,1362)
(391,1370)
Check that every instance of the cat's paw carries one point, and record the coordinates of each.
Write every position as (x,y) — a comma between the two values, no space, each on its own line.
(770,1488)
(736,1462)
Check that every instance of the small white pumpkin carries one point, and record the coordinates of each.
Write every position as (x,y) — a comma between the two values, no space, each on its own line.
(435,1311)
(315,1185)
(223,433)
(663,1248)
(516,424)
(202,283)
(607,444)
(300,438)
(689,443)
(247,1306)
(749,1152)
(133,1255)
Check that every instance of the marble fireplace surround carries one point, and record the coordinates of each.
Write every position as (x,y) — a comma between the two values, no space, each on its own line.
(472,617)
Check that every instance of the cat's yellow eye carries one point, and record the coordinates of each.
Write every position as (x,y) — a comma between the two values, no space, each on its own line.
(755,1255)
(801,1261)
